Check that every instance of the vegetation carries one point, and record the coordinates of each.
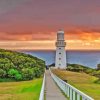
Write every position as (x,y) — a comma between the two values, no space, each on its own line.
(98,67)
(24,90)
(81,68)
(84,82)
(20,66)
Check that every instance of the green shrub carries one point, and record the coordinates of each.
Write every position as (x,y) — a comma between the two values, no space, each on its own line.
(2,73)
(37,72)
(97,73)
(89,71)
(6,64)
(28,74)
(12,73)
(97,81)
(18,77)
(75,68)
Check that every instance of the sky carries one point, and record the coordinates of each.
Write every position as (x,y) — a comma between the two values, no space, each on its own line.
(39,20)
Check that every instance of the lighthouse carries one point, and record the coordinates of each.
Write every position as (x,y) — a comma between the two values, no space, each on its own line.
(60,59)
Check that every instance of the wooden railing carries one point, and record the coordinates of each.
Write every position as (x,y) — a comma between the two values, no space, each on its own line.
(71,92)
(42,89)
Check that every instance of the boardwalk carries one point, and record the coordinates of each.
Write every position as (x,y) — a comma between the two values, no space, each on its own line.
(52,91)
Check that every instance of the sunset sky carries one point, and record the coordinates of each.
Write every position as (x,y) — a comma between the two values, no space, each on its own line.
(32,24)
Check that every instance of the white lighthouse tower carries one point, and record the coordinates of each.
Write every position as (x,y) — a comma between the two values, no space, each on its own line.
(60,60)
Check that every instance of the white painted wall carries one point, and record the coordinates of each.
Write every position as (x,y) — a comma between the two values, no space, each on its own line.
(60,63)
(60,59)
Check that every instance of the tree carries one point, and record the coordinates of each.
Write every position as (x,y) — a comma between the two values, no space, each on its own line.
(6,64)
(28,73)
(37,72)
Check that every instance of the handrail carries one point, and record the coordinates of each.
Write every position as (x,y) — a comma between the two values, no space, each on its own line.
(69,90)
(42,89)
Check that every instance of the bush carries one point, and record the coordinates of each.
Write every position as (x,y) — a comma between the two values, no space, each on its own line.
(75,68)
(6,64)
(97,73)
(28,74)
(18,77)
(97,81)
(2,73)
(12,73)
(37,72)
(80,68)
(89,71)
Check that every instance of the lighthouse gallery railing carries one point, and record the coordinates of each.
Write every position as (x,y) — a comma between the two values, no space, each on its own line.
(70,91)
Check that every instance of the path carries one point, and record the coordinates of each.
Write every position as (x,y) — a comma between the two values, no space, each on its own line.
(52,91)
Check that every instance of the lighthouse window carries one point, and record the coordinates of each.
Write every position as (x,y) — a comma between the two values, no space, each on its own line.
(59,64)
(59,52)
(60,48)
(59,58)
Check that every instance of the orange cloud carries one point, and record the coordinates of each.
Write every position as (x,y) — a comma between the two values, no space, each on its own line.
(49,45)
(71,34)
(83,34)
(88,36)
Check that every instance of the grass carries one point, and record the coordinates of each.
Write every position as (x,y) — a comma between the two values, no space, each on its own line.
(25,90)
(6,80)
(81,81)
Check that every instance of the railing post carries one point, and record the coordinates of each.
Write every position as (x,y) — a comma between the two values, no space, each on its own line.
(71,94)
(78,97)
(65,88)
(74,95)
(68,91)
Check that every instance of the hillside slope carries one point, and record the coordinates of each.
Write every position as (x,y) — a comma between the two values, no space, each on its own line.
(19,66)
(82,81)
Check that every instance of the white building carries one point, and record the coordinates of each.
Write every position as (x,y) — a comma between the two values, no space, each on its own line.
(60,60)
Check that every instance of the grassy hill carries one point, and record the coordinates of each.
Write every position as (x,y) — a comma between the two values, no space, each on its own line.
(27,70)
(24,90)
(19,66)
(80,68)
(82,81)
(85,69)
